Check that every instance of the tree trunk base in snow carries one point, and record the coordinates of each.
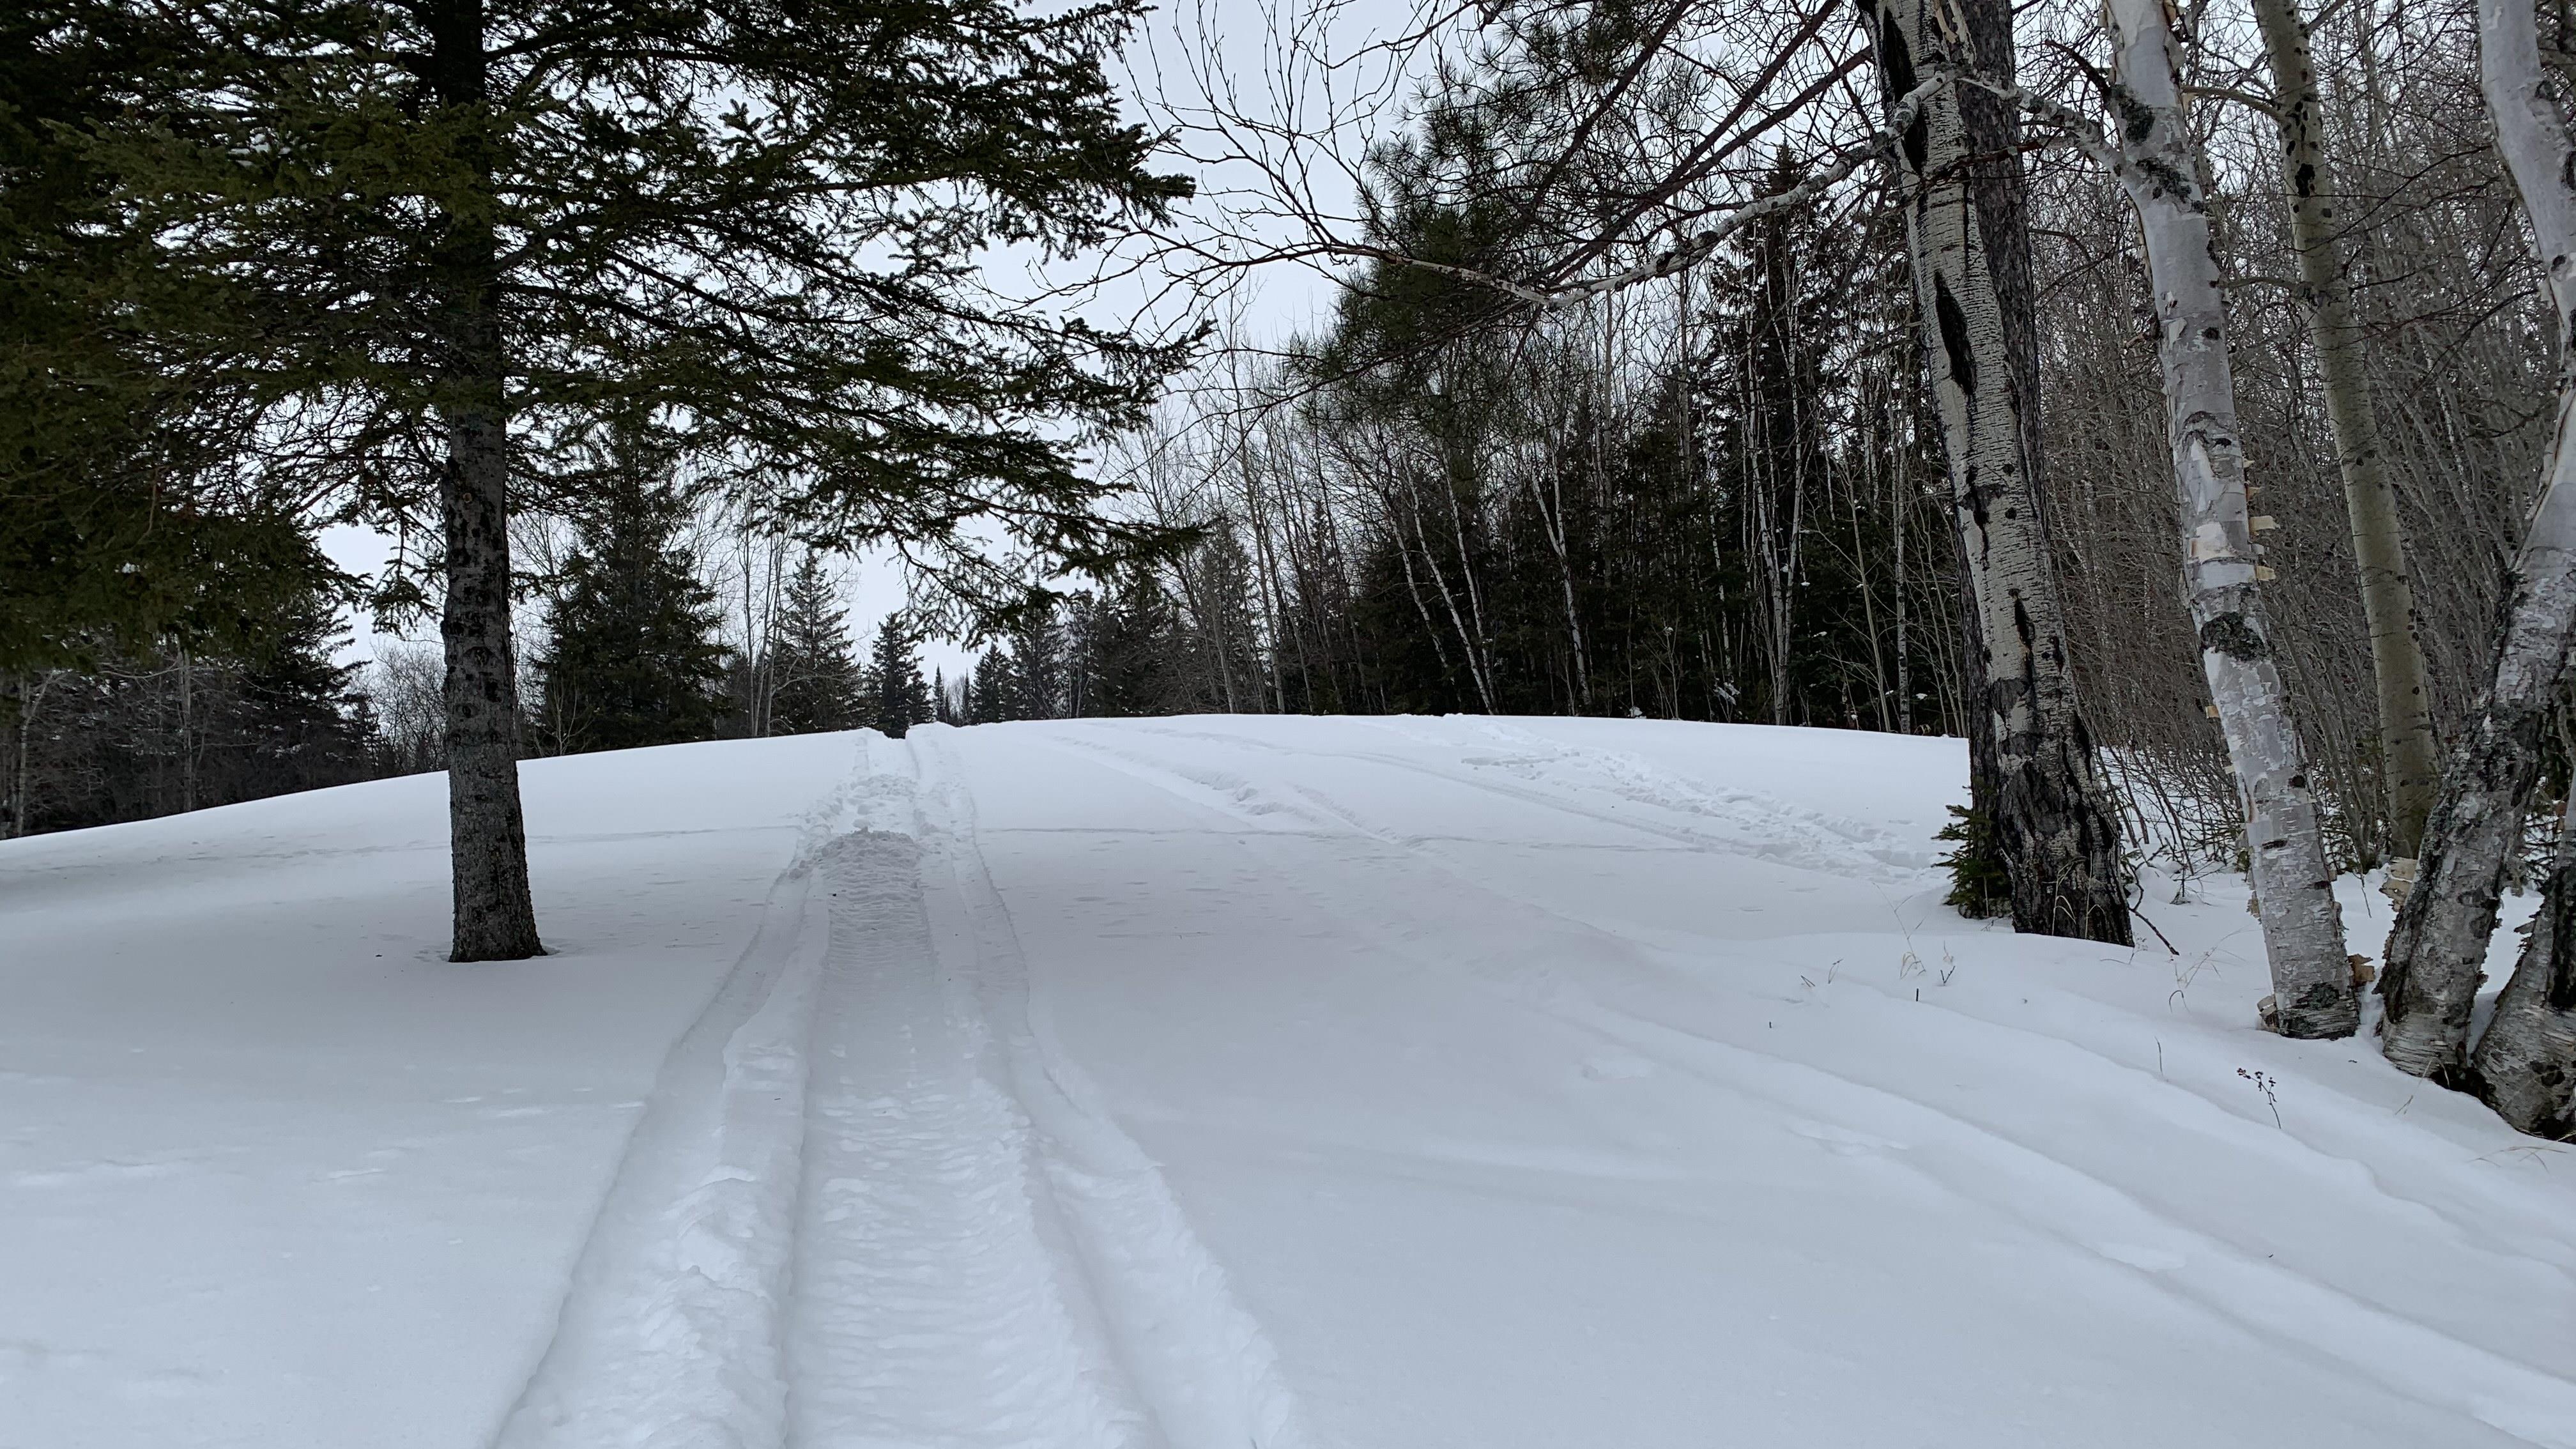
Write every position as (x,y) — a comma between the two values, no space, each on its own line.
(2525,1065)
(488,841)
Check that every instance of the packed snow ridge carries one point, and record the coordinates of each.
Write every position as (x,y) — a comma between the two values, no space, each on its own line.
(1216,1083)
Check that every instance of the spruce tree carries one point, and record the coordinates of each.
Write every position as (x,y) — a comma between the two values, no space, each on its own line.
(126,526)
(990,691)
(634,658)
(172,729)
(902,700)
(816,674)
(1131,648)
(450,237)
(1037,663)
(300,722)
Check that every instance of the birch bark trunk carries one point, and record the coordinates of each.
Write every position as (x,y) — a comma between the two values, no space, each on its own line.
(2407,752)
(2525,1064)
(2293,887)
(1967,233)
(2432,978)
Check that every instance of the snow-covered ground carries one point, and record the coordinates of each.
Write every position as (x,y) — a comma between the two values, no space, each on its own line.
(1212,1083)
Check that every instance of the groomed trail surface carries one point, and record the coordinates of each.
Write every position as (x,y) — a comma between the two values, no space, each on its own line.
(867,1208)
(1218,1084)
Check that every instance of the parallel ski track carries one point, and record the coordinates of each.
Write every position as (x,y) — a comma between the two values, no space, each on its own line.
(2263,1297)
(870,1208)
(1736,822)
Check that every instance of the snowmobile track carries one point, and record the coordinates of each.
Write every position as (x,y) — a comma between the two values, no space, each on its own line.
(869,1207)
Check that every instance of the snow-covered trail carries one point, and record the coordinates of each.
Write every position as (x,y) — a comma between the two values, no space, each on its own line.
(2086,1143)
(1216,1084)
(866,1209)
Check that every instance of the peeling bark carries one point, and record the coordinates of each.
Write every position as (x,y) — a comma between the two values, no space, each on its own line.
(2436,953)
(2525,1064)
(2293,886)
(2050,803)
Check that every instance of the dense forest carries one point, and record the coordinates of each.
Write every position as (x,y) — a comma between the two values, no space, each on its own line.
(2170,402)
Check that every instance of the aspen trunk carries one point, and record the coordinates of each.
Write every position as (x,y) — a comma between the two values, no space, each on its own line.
(2378,540)
(2435,954)
(2525,1064)
(2049,802)
(487,836)
(2293,887)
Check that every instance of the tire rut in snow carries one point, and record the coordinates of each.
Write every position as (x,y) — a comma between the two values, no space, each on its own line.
(928,1308)
(840,1225)
(670,1330)
(1203,1370)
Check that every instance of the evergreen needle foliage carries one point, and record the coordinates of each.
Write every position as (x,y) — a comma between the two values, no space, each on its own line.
(634,658)
(415,259)
(127,523)
(1980,887)
(816,678)
(894,674)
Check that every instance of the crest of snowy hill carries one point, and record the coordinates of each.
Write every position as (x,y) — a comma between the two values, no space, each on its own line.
(1210,1083)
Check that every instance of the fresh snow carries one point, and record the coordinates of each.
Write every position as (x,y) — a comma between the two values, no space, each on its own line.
(1216,1083)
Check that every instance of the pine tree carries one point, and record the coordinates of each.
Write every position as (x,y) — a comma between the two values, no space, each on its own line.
(1037,664)
(990,690)
(1131,650)
(298,721)
(451,238)
(634,658)
(902,699)
(172,729)
(124,527)
(817,676)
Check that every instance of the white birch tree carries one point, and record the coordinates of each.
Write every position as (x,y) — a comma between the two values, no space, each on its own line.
(2159,166)
(2436,953)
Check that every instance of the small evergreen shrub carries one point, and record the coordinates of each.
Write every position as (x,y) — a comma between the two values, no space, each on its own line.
(1979,888)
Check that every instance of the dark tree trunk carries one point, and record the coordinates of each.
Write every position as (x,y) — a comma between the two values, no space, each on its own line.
(487,835)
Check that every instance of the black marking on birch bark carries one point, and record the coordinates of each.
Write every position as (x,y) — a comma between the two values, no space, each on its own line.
(2305,179)
(1953,322)
(2235,636)
(2137,120)
(1898,58)
(2323,996)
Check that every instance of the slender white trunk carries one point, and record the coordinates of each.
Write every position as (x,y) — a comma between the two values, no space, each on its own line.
(2435,953)
(2293,886)
(2406,745)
